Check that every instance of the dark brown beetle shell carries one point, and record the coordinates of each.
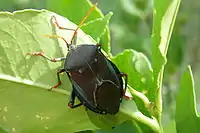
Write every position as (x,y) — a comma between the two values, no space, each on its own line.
(96,81)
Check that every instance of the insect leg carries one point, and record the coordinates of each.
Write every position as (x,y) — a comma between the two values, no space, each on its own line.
(81,23)
(126,82)
(58,77)
(46,57)
(56,36)
(57,24)
(72,99)
(62,28)
(75,30)
(126,79)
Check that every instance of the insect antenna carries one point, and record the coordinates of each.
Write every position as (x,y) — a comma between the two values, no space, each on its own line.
(81,23)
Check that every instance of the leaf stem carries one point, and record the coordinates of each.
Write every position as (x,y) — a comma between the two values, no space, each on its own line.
(139,95)
(151,122)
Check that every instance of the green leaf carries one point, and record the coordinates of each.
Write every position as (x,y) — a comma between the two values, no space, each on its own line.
(140,78)
(187,119)
(164,18)
(86,131)
(126,127)
(105,40)
(170,127)
(27,108)
(109,121)
(140,73)
(6,5)
(25,103)
(96,28)
(69,8)
(128,112)
(2,131)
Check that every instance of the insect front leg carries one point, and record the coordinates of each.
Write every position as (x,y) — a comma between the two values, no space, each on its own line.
(64,28)
(46,57)
(52,60)
(58,25)
(72,100)
(79,25)
(56,36)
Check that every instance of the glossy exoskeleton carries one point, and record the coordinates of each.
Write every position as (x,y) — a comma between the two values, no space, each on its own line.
(96,81)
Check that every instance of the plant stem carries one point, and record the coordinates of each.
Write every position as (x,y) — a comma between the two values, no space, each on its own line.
(139,95)
(152,123)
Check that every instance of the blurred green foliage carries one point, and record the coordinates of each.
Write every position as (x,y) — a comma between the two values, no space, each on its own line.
(131,27)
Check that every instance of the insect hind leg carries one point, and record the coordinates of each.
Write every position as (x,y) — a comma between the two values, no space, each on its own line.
(72,100)
(125,87)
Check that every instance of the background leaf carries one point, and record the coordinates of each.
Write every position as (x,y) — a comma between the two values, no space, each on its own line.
(139,71)
(187,119)
(96,28)
(140,75)
(164,19)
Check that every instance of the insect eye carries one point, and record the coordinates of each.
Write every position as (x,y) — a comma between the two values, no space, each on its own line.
(95,60)
(69,73)
(80,70)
